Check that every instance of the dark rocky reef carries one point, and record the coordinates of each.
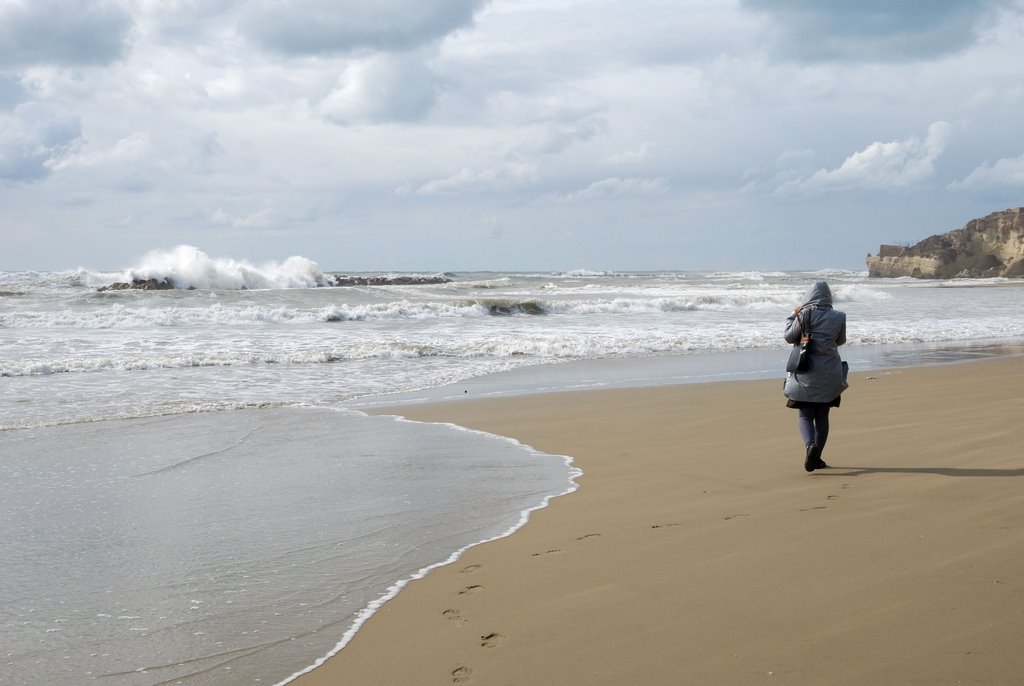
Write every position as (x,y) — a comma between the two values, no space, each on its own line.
(505,308)
(139,285)
(988,247)
(387,280)
(329,281)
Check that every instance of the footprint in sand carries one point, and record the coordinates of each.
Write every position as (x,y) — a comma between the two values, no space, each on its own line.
(810,509)
(547,552)
(832,497)
(580,538)
(491,640)
(460,674)
(736,516)
(669,525)
(470,569)
(471,589)
(454,615)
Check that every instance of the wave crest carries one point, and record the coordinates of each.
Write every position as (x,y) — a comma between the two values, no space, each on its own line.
(186,266)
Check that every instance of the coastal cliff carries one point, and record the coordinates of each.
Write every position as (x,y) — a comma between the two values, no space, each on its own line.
(987,247)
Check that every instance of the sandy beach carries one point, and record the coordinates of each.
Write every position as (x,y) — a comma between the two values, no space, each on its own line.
(698,551)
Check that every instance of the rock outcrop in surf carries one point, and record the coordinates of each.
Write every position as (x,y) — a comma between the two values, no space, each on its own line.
(187,267)
(328,281)
(140,285)
(402,280)
(505,308)
(991,246)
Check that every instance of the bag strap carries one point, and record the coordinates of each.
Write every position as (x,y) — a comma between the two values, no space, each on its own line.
(805,325)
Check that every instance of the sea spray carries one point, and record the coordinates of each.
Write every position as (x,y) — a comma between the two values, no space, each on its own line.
(186,266)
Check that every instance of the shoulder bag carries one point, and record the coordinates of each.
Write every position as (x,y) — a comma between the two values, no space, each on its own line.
(800,355)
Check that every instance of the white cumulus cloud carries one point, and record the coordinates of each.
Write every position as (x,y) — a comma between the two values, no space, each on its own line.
(509,174)
(1008,171)
(34,140)
(383,88)
(614,187)
(128,149)
(881,166)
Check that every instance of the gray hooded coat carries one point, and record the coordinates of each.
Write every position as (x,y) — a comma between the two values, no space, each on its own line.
(824,381)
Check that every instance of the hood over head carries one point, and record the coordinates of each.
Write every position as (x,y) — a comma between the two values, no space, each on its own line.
(818,295)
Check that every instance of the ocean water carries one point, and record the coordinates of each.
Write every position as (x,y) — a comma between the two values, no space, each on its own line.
(232,547)
(191,494)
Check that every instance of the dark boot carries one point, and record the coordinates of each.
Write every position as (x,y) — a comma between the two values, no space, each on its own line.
(813,458)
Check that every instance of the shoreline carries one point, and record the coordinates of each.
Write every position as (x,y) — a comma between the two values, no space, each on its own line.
(697,550)
(677,370)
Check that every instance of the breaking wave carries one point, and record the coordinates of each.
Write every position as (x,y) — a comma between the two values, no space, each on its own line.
(118,316)
(536,347)
(188,267)
(583,274)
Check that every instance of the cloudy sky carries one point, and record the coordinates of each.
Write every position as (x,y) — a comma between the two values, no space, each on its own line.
(504,134)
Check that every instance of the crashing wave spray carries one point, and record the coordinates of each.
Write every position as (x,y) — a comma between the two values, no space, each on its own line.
(188,267)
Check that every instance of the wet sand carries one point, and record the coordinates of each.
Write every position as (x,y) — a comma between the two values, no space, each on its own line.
(698,551)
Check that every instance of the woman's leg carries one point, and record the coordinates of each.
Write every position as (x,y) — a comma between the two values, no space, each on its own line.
(821,425)
(806,421)
(813,424)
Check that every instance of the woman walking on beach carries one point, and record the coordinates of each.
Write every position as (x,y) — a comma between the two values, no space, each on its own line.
(814,392)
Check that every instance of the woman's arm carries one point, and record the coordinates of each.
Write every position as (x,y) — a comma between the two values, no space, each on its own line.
(793,328)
